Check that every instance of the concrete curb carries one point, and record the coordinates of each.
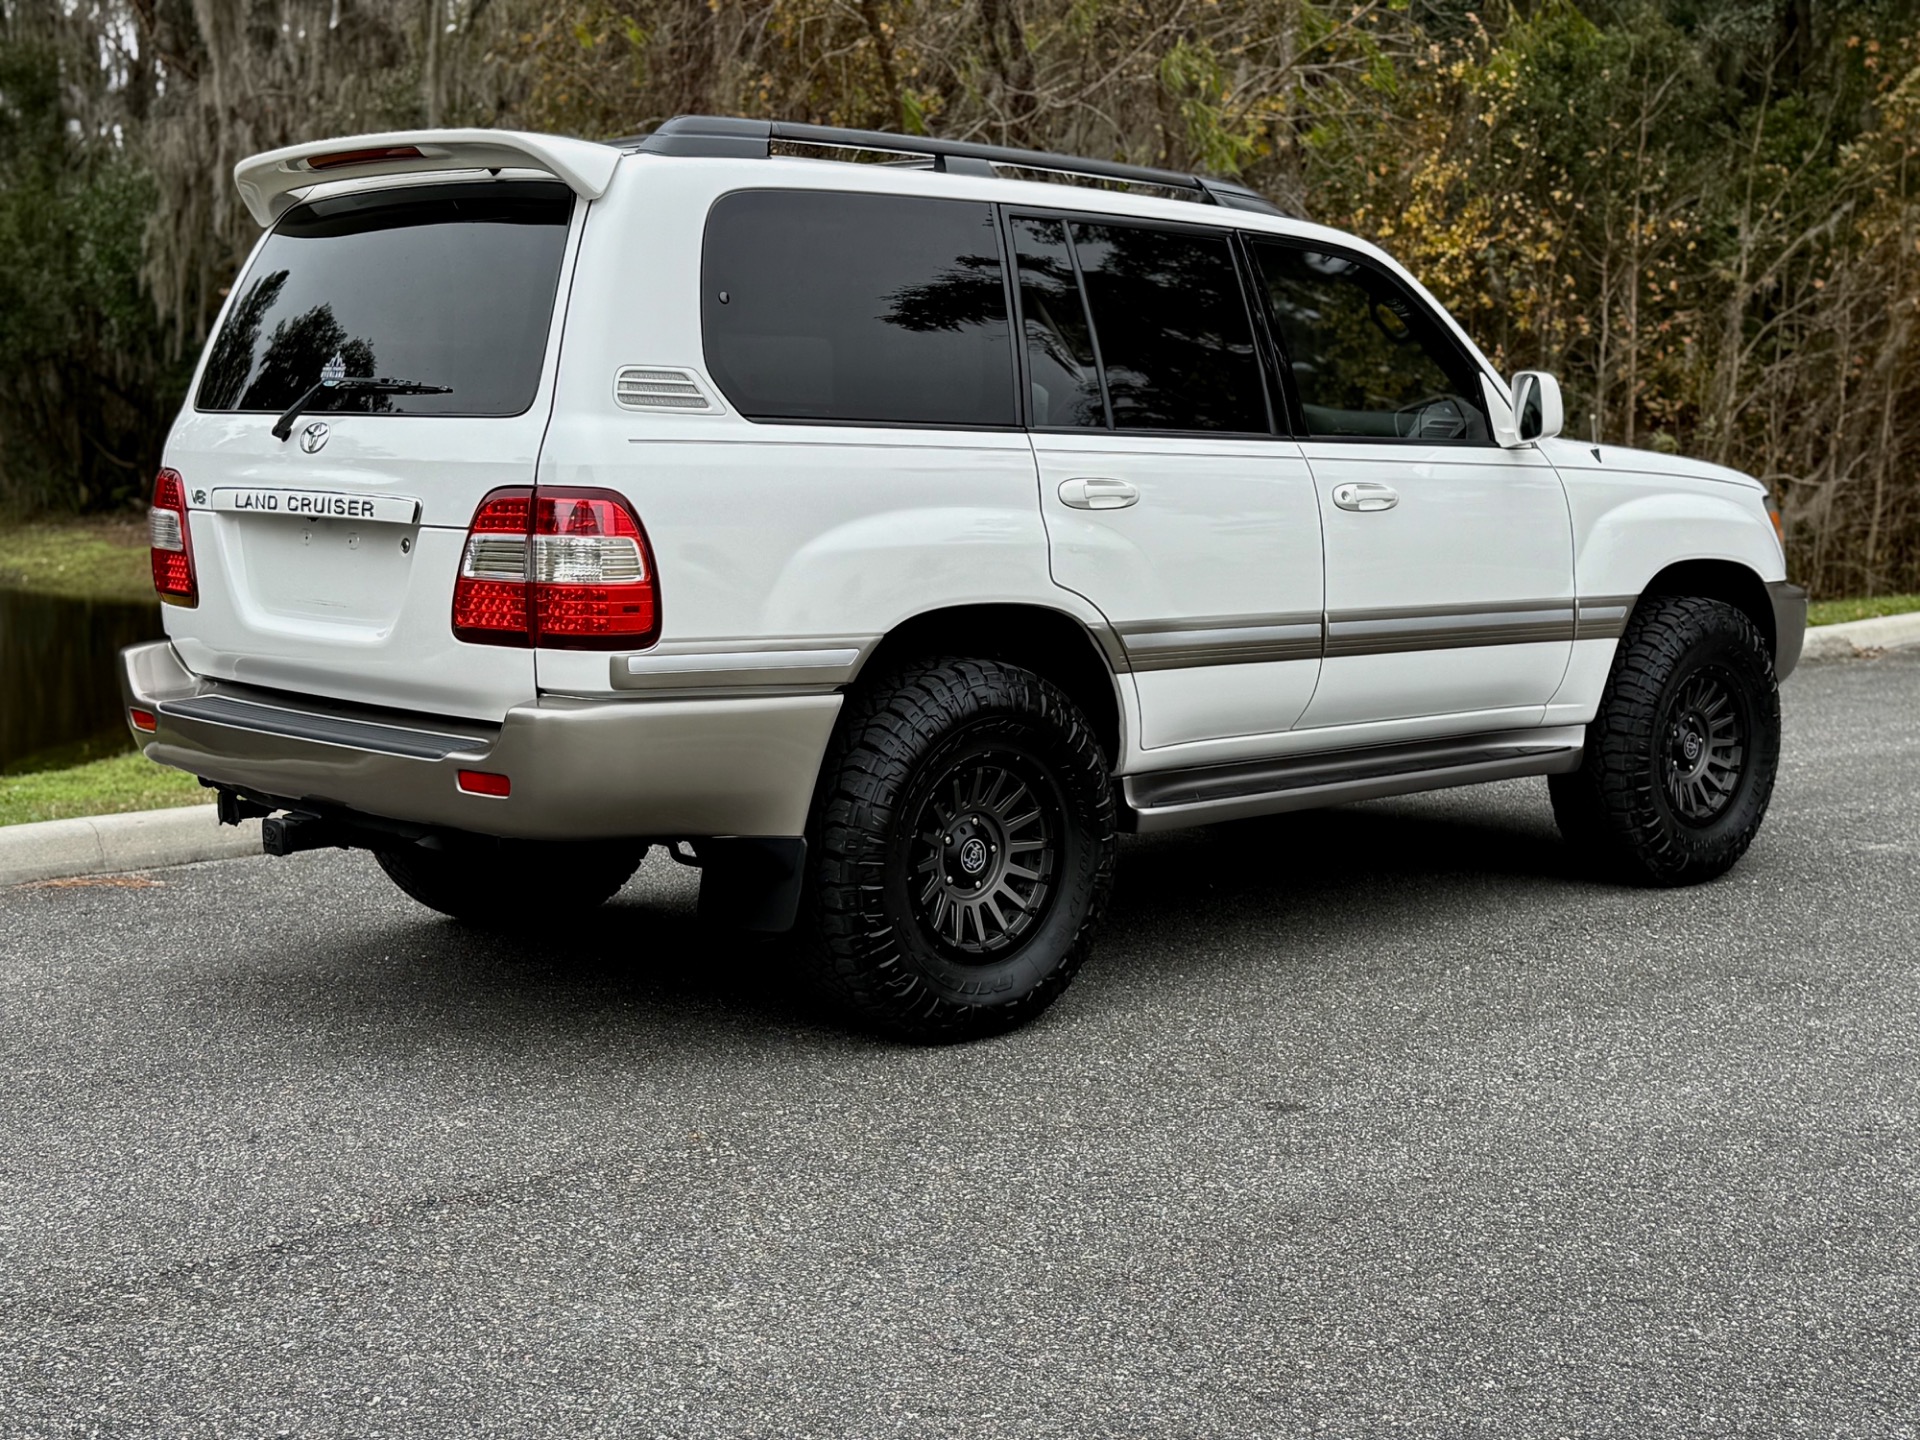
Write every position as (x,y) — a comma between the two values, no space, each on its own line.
(1861,637)
(110,844)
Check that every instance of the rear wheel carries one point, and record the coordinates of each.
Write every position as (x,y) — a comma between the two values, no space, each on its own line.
(1680,759)
(505,882)
(964,851)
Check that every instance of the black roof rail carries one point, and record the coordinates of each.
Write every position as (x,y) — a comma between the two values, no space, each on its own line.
(732,138)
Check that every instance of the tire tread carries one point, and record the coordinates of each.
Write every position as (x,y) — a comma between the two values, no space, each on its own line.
(853,956)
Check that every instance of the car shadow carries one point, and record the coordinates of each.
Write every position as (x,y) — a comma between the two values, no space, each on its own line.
(646,960)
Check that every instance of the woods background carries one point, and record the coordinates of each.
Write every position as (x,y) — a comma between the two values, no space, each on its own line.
(1700,214)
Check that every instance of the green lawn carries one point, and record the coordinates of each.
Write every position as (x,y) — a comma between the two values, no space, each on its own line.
(99,558)
(52,787)
(1836,612)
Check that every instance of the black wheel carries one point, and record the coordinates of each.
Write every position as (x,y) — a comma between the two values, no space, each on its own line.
(1680,759)
(963,851)
(510,883)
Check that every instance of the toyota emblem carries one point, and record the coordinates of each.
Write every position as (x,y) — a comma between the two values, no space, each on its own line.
(314,436)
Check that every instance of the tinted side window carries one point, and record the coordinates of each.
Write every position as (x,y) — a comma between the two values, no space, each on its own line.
(1368,358)
(1175,340)
(1061,373)
(857,308)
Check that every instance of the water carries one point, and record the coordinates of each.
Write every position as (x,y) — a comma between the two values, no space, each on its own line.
(59,681)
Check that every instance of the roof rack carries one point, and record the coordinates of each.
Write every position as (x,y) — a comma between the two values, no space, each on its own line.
(731,138)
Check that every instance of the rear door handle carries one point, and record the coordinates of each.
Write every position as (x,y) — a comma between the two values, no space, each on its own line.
(1364,495)
(1097,492)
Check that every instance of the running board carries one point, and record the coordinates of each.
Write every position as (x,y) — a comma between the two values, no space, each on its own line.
(1205,794)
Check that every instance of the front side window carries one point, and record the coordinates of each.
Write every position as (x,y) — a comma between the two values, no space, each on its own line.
(857,309)
(440,285)
(1368,358)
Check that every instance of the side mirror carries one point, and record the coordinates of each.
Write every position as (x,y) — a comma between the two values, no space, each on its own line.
(1538,411)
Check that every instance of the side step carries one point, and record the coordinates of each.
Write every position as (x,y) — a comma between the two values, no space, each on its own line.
(1205,794)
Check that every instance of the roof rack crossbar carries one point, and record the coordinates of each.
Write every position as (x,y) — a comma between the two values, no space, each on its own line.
(729,137)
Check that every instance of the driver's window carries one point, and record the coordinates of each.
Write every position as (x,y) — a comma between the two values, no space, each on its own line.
(1368,359)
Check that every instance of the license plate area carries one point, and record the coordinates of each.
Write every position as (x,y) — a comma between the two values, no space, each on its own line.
(347,572)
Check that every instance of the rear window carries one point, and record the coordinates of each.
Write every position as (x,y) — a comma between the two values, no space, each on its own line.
(439,285)
(859,309)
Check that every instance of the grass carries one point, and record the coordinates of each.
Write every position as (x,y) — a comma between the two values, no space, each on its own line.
(101,557)
(99,777)
(1838,612)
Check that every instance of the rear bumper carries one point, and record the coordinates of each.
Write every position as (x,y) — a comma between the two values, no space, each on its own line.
(580,769)
(1789,625)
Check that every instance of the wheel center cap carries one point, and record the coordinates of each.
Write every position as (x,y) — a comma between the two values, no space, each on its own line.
(973,856)
(1691,746)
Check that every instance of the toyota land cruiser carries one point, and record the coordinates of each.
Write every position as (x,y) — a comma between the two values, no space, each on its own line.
(888,537)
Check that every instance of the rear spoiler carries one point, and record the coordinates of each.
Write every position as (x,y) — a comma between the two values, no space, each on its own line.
(268,182)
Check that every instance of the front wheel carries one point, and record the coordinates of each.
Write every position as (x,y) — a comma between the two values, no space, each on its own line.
(963,851)
(1680,759)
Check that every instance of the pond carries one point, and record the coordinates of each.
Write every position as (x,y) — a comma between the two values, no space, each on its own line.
(58,676)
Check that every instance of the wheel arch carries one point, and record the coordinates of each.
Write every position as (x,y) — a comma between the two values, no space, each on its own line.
(1725,580)
(1048,642)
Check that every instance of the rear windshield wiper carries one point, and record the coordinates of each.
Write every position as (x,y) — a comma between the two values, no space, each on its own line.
(283,427)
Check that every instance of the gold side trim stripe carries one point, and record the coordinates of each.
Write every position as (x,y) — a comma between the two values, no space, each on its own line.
(1256,639)
(1603,617)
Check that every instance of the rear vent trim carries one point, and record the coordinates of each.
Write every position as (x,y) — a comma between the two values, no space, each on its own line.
(663,389)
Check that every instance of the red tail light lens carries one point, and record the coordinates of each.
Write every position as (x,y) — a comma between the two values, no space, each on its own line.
(490,597)
(171,541)
(145,721)
(558,567)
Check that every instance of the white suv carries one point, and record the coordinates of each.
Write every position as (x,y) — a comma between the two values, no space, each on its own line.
(888,537)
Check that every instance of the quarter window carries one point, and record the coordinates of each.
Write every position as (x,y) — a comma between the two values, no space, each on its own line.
(874,309)
(1368,358)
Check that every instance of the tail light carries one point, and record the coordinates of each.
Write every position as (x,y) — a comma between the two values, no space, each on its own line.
(558,567)
(171,541)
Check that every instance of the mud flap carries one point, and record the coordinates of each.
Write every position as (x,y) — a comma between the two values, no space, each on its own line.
(751,884)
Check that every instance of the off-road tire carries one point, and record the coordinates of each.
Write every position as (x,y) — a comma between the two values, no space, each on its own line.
(911,747)
(507,884)
(1627,805)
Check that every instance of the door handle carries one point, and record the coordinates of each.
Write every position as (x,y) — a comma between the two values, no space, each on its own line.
(1365,495)
(1097,492)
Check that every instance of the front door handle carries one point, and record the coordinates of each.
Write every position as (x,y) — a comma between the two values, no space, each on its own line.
(1097,492)
(1365,495)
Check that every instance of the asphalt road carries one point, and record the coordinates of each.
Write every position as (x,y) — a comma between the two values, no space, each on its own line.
(1383,1121)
